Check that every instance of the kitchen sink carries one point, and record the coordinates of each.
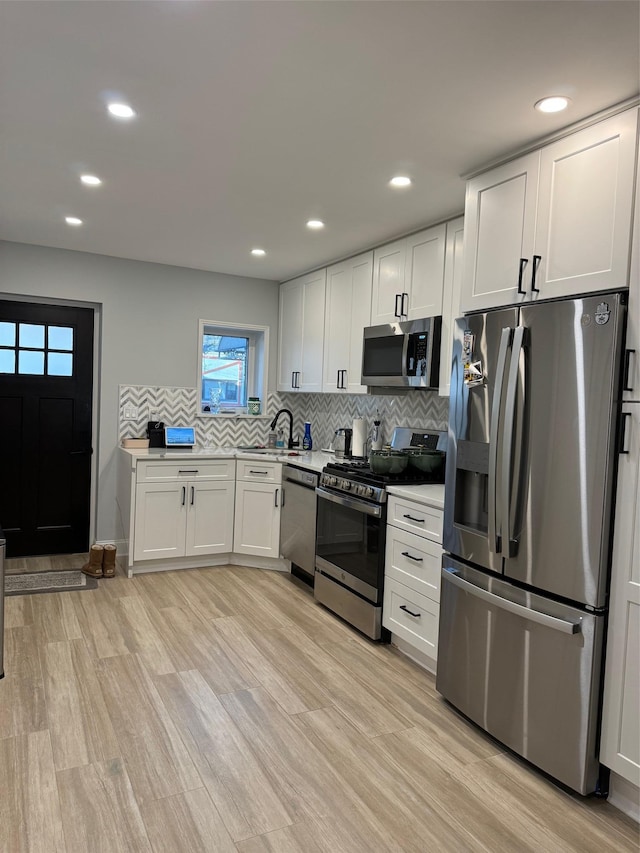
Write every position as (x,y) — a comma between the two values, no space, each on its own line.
(257,448)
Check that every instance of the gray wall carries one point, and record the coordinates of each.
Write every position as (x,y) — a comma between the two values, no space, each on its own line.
(149,328)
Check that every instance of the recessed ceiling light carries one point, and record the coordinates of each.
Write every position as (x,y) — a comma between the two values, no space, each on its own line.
(121,110)
(400,181)
(552,104)
(258,252)
(72,220)
(315,224)
(90,180)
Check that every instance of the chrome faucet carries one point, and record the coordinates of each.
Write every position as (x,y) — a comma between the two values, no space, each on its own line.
(275,421)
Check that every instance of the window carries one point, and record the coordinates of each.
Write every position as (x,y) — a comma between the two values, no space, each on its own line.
(232,366)
(36,349)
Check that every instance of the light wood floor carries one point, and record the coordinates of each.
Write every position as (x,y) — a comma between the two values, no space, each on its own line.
(223,710)
(56,563)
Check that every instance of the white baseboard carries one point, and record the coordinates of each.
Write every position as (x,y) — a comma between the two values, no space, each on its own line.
(624,796)
(229,559)
(121,544)
(415,654)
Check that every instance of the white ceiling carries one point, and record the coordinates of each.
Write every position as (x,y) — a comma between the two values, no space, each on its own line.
(256,116)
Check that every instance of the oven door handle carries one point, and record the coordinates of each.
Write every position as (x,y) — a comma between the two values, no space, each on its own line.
(351,503)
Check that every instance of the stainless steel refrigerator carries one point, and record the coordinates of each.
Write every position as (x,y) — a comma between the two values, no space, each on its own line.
(528,509)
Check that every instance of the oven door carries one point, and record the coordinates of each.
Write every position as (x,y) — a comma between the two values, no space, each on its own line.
(350,542)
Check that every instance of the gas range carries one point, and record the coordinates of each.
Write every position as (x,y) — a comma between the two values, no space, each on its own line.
(356,478)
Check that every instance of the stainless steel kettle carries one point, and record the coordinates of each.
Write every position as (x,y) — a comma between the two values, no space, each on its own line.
(342,442)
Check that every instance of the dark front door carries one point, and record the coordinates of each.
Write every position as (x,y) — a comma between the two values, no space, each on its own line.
(46,374)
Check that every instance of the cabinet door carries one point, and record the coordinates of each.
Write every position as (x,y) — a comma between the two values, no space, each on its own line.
(585,199)
(314,290)
(424,274)
(210,517)
(451,296)
(499,217)
(290,334)
(388,282)
(160,520)
(620,746)
(257,519)
(631,389)
(347,313)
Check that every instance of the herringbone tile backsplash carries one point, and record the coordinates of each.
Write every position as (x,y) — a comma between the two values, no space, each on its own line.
(326,412)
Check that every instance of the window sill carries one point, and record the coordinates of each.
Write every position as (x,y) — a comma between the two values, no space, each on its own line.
(233,416)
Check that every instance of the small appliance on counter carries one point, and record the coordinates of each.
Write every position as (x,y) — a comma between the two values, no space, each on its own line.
(182,438)
(360,440)
(155,433)
(351,527)
(342,442)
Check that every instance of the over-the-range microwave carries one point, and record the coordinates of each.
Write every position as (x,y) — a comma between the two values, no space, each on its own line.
(402,354)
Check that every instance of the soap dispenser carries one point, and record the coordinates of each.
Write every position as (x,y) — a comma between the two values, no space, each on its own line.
(307,443)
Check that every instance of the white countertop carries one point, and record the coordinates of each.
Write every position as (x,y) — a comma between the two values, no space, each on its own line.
(312,461)
(431,494)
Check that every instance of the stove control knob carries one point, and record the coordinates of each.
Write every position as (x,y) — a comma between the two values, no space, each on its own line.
(347,485)
(368,492)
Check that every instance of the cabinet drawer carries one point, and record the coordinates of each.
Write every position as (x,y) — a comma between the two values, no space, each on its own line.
(411,616)
(414,561)
(259,471)
(159,471)
(418,518)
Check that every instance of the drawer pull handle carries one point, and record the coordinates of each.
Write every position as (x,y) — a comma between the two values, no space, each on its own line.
(410,612)
(251,471)
(195,471)
(411,518)
(411,557)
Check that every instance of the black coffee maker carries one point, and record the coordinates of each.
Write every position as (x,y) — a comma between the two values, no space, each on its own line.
(155,433)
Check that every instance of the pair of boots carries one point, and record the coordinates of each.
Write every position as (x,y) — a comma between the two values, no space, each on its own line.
(102,561)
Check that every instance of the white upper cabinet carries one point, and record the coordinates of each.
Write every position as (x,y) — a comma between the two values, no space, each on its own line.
(424,273)
(408,277)
(301,333)
(347,313)
(499,216)
(553,223)
(631,377)
(388,282)
(451,295)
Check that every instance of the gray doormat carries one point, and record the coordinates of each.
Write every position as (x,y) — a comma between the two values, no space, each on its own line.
(28,584)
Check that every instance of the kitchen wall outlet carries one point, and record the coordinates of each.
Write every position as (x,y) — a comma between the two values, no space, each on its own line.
(130,413)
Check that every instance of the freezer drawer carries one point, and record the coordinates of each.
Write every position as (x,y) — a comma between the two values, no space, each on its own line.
(523,667)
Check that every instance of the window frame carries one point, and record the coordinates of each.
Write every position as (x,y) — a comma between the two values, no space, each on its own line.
(257,363)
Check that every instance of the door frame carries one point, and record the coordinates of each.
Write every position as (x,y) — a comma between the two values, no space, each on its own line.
(95,391)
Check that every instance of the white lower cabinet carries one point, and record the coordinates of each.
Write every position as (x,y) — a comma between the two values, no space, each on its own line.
(257,524)
(183,518)
(620,739)
(413,559)
(257,517)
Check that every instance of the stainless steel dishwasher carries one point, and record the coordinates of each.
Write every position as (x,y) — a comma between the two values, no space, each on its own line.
(298,521)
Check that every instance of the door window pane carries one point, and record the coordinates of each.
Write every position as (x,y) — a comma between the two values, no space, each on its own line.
(60,364)
(60,337)
(31,336)
(7,334)
(7,361)
(30,362)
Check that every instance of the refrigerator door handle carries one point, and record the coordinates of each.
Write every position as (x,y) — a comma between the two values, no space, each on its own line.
(505,340)
(536,616)
(508,540)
